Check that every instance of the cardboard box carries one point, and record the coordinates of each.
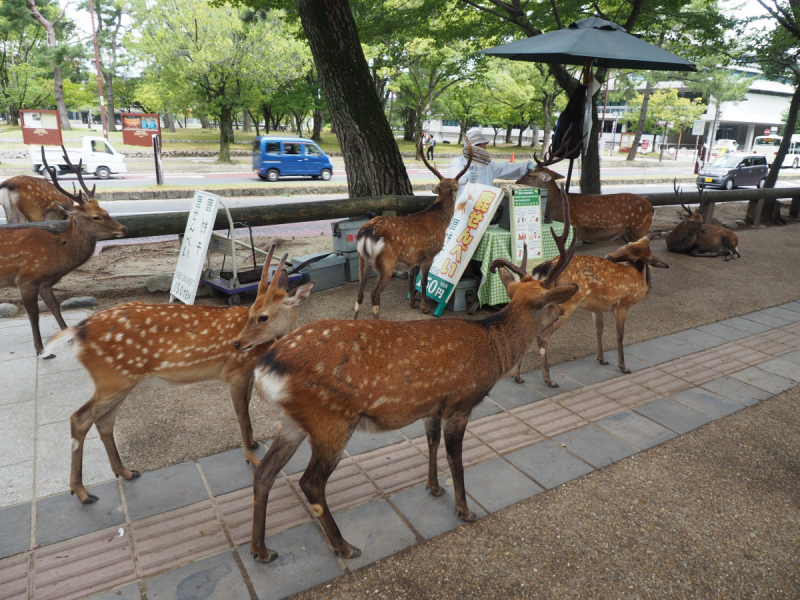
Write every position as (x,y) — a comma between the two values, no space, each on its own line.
(327,272)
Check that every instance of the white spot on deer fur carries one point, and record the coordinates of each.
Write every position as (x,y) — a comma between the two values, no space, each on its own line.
(74,445)
(118,337)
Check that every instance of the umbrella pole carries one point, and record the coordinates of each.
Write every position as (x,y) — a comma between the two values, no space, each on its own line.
(569,174)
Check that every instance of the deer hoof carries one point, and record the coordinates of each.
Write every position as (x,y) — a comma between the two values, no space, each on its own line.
(271,555)
(518,379)
(135,474)
(435,491)
(602,361)
(254,445)
(552,384)
(467,515)
(48,357)
(354,553)
(90,499)
(624,370)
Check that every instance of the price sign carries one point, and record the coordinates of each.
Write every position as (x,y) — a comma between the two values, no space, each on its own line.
(194,246)
(526,224)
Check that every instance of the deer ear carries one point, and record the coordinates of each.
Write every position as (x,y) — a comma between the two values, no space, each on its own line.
(556,176)
(300,295)
(507,278)
(681,215)
(557,295)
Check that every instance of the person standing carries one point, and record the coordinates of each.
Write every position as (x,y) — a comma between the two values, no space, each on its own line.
(431,146)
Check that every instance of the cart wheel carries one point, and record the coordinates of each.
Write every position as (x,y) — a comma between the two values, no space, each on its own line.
(234,299)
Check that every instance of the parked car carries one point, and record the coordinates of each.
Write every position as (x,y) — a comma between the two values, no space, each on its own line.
(98,155)
(734,170)
(276,157)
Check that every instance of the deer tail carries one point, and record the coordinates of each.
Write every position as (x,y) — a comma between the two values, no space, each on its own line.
(369,244)
(62,337)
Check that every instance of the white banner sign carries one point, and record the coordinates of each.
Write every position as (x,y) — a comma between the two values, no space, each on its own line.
(526,225)
(698,127)
(202,215)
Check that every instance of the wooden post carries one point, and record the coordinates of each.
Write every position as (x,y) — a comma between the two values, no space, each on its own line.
(794,208)
(754,210)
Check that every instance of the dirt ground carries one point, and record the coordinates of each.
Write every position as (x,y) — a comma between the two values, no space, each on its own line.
(157,427)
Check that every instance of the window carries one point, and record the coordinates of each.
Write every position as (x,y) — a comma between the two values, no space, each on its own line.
(759,160)
(311,150)
(273,148)
(256,146)
(747,162)
(450,123)
(98,146)
(291,148)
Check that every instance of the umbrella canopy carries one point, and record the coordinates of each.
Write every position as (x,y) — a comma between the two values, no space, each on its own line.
(607,42)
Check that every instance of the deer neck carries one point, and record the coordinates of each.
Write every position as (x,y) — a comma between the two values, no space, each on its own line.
(78,245)
(680,239)
(512,332)
(554,209)
(444,206)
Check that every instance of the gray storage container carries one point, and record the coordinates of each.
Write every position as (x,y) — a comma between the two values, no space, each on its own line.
(344,235)
(351,266)
(327,272)
(463,295)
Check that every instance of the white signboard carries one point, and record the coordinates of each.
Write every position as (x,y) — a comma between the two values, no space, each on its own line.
(698,127)
(475,209)
(202,215)
(526,224)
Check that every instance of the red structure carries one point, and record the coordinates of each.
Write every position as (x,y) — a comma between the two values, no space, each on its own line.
(139,128)
(41,127)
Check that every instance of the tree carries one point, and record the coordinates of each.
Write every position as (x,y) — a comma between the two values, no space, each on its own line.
(465,103)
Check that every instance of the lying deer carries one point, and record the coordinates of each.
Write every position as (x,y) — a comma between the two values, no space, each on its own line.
(331,377)
(179,343)
(27,199)
(410,243)
(616,283)
(595,218)
(34,260)
(691,236)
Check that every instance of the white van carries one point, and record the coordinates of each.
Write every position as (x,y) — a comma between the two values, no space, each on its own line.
(98,155)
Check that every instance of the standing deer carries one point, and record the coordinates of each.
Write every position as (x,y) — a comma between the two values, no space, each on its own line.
(179,343)
(331,377)
(615,282)
(691,236)
(595,218)
(34,260)
(409,243)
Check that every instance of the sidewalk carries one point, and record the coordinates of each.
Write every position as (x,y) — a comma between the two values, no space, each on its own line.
(187,527)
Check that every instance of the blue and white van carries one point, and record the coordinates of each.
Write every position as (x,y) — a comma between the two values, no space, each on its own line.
(276,157)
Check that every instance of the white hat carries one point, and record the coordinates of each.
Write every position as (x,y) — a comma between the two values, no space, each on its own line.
(475,136)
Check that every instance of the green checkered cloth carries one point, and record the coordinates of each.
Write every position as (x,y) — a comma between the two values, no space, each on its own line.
(496,243)
(549,248)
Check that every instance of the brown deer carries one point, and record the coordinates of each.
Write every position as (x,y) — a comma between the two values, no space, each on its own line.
(179,343)
(331,377)
(595,218)
(616,282)
(409,243)
(691,236)
(34,260)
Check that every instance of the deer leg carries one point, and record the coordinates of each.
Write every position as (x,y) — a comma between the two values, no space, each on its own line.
(515,372)
(363,275)
(31,303)
(412,287)
(597,317)
(620,312)
(285,443)
(384,275)
(454,429)
(433,431)
(46,292)
(241,391)
(703,254)
(425,268)
(105,427)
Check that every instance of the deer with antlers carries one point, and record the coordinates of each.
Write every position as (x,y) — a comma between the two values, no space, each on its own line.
(616,282)
(406,244)
(693,237)
(331,377)
(595,217)
(178,343)
(34,260)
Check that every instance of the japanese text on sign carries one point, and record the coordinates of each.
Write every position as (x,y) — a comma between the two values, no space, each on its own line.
(194,246)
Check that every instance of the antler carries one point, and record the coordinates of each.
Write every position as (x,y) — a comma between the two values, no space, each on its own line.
(550,157)
(679,194)
(564,255)
(435,171)
(279,271)
(77,171)
(52,170)
(262,285)
(521,270)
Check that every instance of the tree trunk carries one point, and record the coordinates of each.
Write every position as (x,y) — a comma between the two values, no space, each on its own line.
(267,111)
(590,165)
(640,125)
(52,42)
(247,126)
(111,121)
(256,120)
(535,134)
(549,105)
(225,135)
(409,124)
(169,122)
(204,122)
(14,116)
(519,139)
(317,133)
(371,157)
(508,135)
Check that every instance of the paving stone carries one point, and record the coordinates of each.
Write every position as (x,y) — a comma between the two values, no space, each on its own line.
(395,467)
(703,339)
(549,418)
(766,345)
(347,487)
(736,390)
(14,577)
(364,441)
(214,577)
(783,368)
(724,331)
(473,451)
(589,404)
(18,381)
(496,484)
(795,306)
(164,490)
(178,537)
(672,415)
(417,428)
(534,380)
(17,423)
(706,402)
(299,461)
(649,353)
(660,382)
(63,517)
(17,483)
(691,369)
(126,592)
(741,354)
(483,409)
(769,382)
(304,561)
(792,357)
(84,566)
(15,531)
(766,319)
(510,394)
(504,432)
(584,371)
(284,511)
(636,430)
(376,530)
(548,464)
(61,394)
(631,363)
(676,345)
(782,313)
(626,392)
(745,325)
(228,471)
(53,459)
(595,446)
(431,515)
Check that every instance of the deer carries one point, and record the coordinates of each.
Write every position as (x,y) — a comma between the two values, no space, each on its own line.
(693,237)
(176,343)
(616,282)
(406,244)
(34,260)
(331,377)
(27,199)
(595,217)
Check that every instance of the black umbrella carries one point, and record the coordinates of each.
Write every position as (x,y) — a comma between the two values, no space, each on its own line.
(607,43)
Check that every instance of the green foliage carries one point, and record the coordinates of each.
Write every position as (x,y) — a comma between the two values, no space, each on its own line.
(665,106)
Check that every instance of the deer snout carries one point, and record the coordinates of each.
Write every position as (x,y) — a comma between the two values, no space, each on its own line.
(237,345)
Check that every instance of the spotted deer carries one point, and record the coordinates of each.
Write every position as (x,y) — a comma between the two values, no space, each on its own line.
(595,217)
(616,282)
(34,260)
(406,244)
(693,237)
(180,344)
(331,377)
